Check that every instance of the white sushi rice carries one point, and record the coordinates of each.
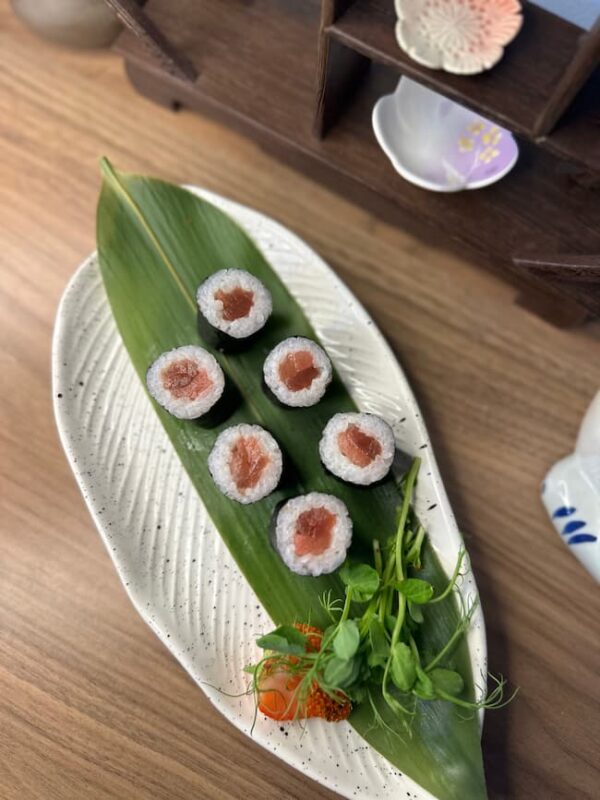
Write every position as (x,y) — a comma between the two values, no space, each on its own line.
(285,529)
(337,463)
(303,397)
(220,456)
(227,280)
(183,407)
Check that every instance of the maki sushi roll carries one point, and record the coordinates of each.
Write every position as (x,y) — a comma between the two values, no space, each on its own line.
(233,306)
(245,463)
(358,448)
(186,381)
(297,371)
(313,533)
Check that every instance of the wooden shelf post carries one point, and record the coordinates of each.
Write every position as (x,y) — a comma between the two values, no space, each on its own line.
(585,61)
(339,70)
(139,23)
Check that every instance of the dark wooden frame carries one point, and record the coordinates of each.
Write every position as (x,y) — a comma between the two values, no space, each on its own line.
(584,62)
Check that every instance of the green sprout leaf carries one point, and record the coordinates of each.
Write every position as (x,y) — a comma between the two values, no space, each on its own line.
(339,674)
(447,680)
(358,694)
(378,639)
(390,622)
(347,639)
(403,668)
(379,649)
(415,612)
(362,579)
(424,687)
(415,590)
(285,639)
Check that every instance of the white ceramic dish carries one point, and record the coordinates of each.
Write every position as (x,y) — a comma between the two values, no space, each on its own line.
(438,144)
(173,564)
(464,38)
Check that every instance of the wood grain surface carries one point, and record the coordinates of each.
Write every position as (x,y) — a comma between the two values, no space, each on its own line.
(91,705)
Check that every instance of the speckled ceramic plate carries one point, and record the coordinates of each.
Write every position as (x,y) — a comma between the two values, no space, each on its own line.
(172,562)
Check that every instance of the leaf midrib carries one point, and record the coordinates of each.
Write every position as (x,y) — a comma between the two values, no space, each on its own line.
(228,363)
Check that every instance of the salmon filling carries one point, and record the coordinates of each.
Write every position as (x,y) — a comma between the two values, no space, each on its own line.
(236,303)
(358,447)
(297,370)
(184,378)
(247,462)
(314,531)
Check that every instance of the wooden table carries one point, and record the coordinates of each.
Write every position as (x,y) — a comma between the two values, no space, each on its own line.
(91,705)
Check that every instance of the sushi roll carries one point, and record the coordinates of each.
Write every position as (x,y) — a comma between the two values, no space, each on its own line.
(186,381)
(358,448)
(297,371)
(233,306)
(245,463)
(313,533)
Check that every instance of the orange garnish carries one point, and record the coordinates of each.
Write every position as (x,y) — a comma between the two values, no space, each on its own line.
(279,689)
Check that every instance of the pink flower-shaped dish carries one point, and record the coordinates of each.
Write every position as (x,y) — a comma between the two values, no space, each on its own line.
(460,36)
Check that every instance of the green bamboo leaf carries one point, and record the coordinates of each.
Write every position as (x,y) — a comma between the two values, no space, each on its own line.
(156,243)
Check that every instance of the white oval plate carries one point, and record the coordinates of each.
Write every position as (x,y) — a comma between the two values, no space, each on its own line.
(175,568)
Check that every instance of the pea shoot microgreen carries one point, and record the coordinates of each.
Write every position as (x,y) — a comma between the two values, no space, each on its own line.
(374,651)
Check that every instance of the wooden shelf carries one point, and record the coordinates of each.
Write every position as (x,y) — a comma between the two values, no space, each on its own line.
(256,59)
(536,202)
(256,73)
(513,94)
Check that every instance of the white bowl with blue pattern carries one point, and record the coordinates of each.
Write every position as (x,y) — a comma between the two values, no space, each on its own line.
(571,493)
